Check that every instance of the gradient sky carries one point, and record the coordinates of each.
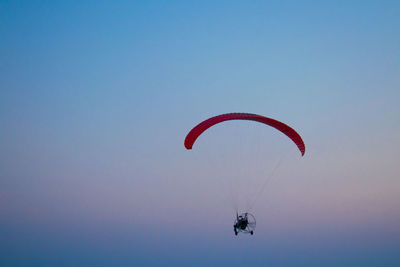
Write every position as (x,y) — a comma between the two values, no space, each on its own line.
(96,98)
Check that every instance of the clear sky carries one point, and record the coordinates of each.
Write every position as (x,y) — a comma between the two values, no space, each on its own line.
(96,98)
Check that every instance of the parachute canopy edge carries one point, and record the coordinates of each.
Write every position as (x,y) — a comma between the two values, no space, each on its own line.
(280,126)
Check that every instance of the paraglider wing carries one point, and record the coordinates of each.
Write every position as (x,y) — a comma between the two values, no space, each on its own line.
(280,126)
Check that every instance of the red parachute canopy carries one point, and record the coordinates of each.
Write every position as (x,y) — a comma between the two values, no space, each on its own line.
(200,128)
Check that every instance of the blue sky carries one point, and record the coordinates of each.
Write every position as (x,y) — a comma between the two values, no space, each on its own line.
(97,97)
